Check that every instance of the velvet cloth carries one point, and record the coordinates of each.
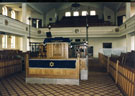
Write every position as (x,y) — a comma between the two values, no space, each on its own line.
(52,64)
(47,40)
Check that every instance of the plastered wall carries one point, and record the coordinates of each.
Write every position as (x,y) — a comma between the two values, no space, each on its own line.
(109,12)
(61,12)
(97,43)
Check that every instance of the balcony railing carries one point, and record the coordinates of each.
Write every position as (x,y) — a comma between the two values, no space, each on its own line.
(12,26)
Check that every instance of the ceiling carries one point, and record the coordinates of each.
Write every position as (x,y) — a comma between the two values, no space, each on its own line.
(45,7)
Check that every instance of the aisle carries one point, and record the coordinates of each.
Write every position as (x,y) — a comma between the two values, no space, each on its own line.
(99,84)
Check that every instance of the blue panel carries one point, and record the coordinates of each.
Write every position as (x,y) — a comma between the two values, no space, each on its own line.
(52,63)
(47,40)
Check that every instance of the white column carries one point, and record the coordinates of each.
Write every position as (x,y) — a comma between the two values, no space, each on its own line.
(0,42)
(134,41)
(37,23)
(128,10)
(24,42)
(24,12)
(128,42)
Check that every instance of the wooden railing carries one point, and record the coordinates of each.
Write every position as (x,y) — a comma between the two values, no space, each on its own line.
(124,77)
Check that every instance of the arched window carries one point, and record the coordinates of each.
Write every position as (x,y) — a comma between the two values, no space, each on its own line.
(93,12)
(84,13)
(67,14)
(4,10)
(13,15)
(76,13)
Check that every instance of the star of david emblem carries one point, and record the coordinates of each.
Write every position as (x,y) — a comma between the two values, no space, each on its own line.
(51,64)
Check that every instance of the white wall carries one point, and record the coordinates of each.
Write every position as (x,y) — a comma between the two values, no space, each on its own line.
(109,12)
(61,13)
(50,14)
(35,14)
(36,40)
(30,12)
(132,9)
(19,15)
(97,43)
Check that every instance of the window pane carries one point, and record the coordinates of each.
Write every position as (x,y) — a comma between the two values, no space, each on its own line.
(4,41)
(67,14)
(12,41)
(93,12)
(76,13)
(4,10)
(13,14)
(84,13)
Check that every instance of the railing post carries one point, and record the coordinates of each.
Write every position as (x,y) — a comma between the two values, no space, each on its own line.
(117,64)
(108,62)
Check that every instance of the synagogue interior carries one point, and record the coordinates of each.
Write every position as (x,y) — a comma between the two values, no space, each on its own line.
(67,49)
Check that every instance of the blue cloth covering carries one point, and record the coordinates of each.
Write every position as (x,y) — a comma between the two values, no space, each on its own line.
(47,40)
(52,63)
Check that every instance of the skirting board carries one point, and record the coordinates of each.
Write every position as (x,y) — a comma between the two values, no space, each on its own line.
(52,81)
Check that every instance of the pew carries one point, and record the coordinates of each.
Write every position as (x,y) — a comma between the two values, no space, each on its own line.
(10,62)
(122,72)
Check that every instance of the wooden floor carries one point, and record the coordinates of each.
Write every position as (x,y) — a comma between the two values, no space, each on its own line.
(99,84)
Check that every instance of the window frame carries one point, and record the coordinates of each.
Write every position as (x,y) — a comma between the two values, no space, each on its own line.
(86,13)
(67,13)
(91,13)
(75,12)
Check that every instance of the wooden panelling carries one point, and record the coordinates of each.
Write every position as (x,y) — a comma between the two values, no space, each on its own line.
(53,72)
(57,50)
